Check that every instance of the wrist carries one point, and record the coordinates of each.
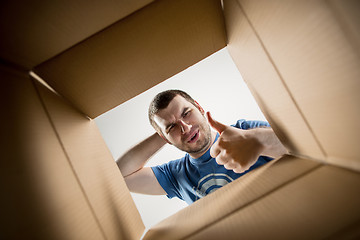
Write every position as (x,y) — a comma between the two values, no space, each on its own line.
(271,145)
(260,137)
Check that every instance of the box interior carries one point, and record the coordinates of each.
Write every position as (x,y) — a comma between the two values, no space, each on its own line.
(299,59)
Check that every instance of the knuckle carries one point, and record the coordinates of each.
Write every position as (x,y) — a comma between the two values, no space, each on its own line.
(232,161)
(214,152)
(220,161)
(228,167)
(238,170)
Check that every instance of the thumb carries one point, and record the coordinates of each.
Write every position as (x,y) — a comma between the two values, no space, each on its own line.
(215,124)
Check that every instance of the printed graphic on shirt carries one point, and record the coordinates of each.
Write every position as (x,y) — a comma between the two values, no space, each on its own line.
(210,183)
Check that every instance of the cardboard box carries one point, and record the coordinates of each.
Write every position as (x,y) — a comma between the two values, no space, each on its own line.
(300,59)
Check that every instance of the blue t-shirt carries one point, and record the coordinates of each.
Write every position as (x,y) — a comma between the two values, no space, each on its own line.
(191,179)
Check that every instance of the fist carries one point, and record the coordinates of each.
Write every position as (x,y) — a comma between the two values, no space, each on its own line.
(236,149)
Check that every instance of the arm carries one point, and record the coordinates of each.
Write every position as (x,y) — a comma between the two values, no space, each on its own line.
(141,179)
(239,149)
(271,145)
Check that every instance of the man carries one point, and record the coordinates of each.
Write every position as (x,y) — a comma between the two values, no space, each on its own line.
(212,158)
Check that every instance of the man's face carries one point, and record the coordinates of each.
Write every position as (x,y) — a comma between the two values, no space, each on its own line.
(184,126)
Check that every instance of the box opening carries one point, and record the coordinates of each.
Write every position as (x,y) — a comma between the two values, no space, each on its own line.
(215,83)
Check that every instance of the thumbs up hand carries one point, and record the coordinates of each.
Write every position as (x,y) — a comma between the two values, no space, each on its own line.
(236,149)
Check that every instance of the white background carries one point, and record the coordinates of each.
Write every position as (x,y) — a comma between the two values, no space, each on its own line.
(214,83)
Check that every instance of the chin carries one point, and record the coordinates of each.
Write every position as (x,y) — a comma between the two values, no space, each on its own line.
(204,147)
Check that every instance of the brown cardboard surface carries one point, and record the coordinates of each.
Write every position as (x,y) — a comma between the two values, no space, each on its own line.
(40,195)
(237,195)
(95,169)
(266,84)
(319,65)
(321,204)
(32,32)
(300,60)
(136,53)
(347,14)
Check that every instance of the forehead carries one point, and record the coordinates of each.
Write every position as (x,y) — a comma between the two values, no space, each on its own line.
(172,111)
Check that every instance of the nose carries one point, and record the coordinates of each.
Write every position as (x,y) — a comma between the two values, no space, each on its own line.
(185,127)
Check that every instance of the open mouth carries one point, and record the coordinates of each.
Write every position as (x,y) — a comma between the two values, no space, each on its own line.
(194,137)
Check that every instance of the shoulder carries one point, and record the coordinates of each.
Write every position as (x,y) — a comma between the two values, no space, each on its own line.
(248,124)
(172,167)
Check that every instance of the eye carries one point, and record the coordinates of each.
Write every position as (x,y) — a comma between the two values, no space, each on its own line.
(170,128)
(187,113)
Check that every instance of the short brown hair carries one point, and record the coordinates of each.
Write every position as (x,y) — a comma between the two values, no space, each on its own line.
(162,100)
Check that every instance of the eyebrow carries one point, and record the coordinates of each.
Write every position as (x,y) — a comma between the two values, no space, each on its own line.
(184,111)
(182,114)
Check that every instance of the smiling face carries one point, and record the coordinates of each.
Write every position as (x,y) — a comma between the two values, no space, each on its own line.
(184,126)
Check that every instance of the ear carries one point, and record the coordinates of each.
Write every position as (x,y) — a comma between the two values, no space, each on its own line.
(199,107)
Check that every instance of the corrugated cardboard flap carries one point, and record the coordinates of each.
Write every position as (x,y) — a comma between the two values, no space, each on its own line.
(136,53)
(95,169)
(303,68)
(42,198)
(237,195)
(58,177)
(32,32)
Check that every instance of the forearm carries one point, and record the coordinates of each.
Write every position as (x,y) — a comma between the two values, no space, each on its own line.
(135,158)
(271,145)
